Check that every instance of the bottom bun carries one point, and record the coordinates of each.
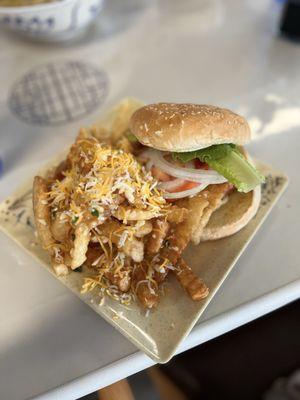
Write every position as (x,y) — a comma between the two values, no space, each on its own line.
(233,215)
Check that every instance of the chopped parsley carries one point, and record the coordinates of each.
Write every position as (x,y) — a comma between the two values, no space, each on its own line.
(95,212)
(74,220)
(131,137)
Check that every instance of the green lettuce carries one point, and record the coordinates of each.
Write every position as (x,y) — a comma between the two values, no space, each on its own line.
(228,161)
(131,137)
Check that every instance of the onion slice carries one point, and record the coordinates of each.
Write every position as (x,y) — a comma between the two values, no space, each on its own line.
(149,165)
(209,177)
(185,193)
(172,185)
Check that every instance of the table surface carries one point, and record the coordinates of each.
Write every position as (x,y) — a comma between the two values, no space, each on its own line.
(52,346)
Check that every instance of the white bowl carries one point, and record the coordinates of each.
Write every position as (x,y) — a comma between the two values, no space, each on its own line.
(56,21)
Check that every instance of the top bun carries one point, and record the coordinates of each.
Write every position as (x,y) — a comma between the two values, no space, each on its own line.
(187,127)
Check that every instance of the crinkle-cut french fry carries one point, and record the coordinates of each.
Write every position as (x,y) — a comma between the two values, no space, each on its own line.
(134,248)
(214,194)
(180,234)
(60,228)
(42,212)
(127,213)
(124,144)
(146,291)
(99,132)
(196,206)
(131,247)
(157,236)
(193,285)
(81,243)
(117,120)
(121,279)
(43,221)
(123,282)
(144,230)
(176,215)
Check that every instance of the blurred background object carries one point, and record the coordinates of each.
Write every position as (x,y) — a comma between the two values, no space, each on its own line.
(56,20)
(290,19)
(285,388)
(19,3)
(244,363)
(1,167)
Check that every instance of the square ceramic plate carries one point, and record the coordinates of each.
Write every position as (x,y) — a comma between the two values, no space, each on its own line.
(159,333)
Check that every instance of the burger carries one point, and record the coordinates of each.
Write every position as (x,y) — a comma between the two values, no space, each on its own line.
(197,151)
(131,195)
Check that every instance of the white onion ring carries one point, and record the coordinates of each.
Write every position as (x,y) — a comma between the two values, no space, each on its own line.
(149,165)
(209,177)
(143,156)
(185,193)
(172,185)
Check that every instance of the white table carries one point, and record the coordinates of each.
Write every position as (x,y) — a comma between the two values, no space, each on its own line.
(222,52)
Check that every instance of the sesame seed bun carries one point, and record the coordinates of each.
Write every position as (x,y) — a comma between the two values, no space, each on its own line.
(187,127)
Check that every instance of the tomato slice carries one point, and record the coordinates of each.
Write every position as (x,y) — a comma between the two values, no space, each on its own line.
(185,186)
(160,175)
(200,165)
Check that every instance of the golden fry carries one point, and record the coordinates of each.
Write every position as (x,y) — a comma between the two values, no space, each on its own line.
(193,285)
(146,291)
(81,243)
(176,214)
(144,229)
(42,212)
(60,228)
(126,213)
(157,236)
(123,238)
(195,206)
(214,194)
(43,222)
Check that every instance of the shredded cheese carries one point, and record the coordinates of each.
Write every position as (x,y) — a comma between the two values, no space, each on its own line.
(102,182)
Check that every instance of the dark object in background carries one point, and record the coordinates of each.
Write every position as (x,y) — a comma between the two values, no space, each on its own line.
(285,388)
(241,364)
(290,19)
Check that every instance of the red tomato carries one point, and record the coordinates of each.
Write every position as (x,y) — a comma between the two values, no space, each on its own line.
(200,165)
(185,186)
(161,175)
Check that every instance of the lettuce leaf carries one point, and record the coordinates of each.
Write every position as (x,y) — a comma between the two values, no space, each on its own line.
(228,161)
(131,137)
